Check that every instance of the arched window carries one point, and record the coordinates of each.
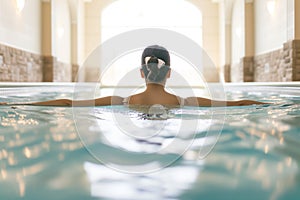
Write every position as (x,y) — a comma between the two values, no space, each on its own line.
(121,16)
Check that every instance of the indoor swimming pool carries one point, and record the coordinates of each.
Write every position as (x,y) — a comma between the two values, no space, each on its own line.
(121,152)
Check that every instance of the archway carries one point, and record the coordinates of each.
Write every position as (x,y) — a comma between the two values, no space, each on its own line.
(120,16)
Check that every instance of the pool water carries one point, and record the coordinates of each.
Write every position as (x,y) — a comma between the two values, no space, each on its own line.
(117,152)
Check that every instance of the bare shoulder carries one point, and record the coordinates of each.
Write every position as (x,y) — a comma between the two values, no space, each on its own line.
(145,99)
(135,99)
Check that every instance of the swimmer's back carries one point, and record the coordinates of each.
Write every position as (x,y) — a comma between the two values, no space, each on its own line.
(147,99)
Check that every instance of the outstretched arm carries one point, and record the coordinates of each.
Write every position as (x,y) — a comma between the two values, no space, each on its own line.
(110,100)
(199,101)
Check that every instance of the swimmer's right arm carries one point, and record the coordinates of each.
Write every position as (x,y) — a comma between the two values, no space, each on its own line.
(104,101)
(199,101)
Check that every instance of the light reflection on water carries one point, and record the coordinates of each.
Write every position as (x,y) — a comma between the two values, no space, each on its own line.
(42,156)
(168,183)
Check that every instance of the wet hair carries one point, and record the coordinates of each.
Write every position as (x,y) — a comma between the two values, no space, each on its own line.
(155,64)
(156,51)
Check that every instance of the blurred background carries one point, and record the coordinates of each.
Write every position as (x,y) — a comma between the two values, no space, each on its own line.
(247,40)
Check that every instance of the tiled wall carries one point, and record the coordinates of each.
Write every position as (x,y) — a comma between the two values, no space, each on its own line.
(62,72)
(236,72)
(21,66)
(56,71)
(276,66)
(279,65)
(271,67)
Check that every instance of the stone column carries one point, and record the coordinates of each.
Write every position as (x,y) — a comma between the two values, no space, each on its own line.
(227,66)
(248,60)
(295,61)
(48,66)
(225,13)
(77,35)
(227,72)
(297,19)
(296,42)
(74,49)
(248,71)
(48,60)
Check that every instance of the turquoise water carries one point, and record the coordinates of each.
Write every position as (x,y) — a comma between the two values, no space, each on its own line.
(116,152)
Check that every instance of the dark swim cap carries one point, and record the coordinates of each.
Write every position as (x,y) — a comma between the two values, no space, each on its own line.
(156,51)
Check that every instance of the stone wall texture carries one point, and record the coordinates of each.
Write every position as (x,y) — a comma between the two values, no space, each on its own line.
(280,65)
(17,65)
(274,66)
(227,73)
(75,69)
(49,62)
(20,66)
(296,60)
(62,72)
(248,69)
(237,72)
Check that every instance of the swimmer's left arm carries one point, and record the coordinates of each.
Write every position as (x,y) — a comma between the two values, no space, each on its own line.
(199,101)
(103,101)
(109,100)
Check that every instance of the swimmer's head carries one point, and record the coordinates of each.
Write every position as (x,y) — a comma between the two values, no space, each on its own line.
(155,64)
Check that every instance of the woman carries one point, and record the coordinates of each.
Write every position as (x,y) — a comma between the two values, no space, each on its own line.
(155,70)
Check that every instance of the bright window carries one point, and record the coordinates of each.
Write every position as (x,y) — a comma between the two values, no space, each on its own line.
(121,16)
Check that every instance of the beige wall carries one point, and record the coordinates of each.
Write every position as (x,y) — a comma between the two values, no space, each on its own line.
(211,28)
(21,29)
(238,38)
(271,28)
(93,11)
(81,32)
(77,10)
(238,31)
(61,27)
